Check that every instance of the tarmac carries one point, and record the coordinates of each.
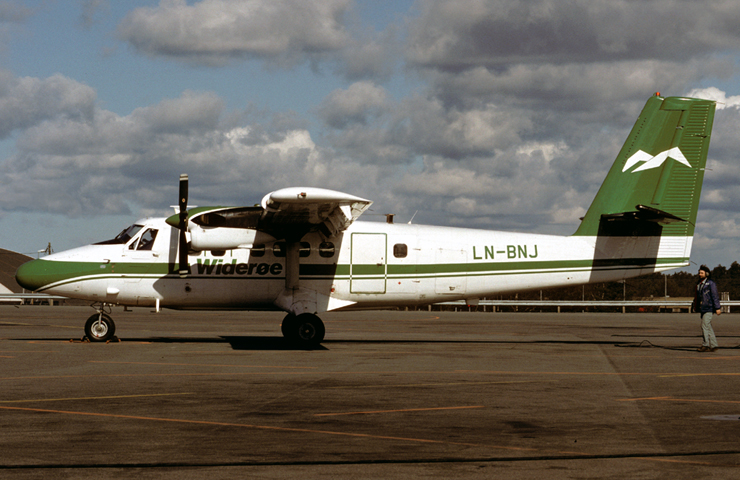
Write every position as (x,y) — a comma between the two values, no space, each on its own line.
(388,394)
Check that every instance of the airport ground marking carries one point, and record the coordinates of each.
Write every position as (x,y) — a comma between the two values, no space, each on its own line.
(618,374)
(687,462)
(201,374)
(110,397)
(405,410)
(316,371)
(166,364)
(642,398)
(265,427)
(438,384)
(672,399)
(29,351)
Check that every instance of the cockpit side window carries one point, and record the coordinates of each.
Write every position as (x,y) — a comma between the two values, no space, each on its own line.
(147,239)
(127,234)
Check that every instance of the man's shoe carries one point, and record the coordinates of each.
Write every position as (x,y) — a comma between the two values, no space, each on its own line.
(714,349)
(702,349)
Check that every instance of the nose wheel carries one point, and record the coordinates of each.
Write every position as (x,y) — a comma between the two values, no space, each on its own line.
(305,329)
(100,327)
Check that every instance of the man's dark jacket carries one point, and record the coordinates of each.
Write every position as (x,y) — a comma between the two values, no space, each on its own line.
(707,298)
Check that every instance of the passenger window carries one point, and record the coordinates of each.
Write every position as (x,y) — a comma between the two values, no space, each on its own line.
(326,249)
(400,250)
(147,240)
(279,249)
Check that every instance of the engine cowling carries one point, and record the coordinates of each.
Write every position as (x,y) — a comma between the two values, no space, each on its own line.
(222,238)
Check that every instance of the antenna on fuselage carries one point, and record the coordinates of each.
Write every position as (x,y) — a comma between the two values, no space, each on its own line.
(412,217)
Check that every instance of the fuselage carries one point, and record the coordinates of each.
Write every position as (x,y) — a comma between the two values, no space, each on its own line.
(369,265)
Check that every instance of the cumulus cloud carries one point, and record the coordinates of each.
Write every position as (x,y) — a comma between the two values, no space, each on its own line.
(103,163)
(566,57)
(27,101)
(714,93)
(456,35)
(354,105)
(216,31)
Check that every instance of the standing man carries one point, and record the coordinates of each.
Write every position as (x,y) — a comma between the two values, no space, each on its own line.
(706,302)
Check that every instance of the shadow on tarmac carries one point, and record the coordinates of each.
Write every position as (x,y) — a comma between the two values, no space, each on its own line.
(262,343)
(237,343)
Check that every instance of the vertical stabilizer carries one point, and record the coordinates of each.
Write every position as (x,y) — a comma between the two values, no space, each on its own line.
(658,174)
(651,194)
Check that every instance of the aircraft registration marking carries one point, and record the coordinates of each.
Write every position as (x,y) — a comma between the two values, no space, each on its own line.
(489,252)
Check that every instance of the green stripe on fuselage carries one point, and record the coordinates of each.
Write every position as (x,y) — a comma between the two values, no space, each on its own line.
(54,273)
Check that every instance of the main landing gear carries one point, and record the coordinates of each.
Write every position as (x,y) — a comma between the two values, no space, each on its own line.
(100,327)
(305,329)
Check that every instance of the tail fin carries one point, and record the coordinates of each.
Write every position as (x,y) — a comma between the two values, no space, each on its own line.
(653,188)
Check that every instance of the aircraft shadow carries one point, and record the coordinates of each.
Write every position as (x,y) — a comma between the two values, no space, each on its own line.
(237,343)
(260,343)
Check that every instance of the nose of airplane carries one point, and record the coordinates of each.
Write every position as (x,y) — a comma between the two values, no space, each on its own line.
(33,275)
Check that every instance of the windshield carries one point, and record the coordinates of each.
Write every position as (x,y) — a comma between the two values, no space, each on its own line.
(123,237)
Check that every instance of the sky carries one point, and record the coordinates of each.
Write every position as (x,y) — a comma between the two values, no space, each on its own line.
(494,114)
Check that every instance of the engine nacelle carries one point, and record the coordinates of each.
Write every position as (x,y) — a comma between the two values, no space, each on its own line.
(221,238)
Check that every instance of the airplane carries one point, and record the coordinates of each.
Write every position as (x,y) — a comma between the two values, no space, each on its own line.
(303,250)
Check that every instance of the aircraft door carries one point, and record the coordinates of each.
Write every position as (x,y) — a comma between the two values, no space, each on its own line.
(368,263)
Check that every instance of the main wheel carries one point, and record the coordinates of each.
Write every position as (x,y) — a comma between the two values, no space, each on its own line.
(99,328)
(311,329)
(305,329)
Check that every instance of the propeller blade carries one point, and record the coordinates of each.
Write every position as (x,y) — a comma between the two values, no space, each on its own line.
(184,267)
(183,193)
(183,247)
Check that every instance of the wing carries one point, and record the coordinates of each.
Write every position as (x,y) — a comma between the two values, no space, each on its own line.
(296,209)
(286,213)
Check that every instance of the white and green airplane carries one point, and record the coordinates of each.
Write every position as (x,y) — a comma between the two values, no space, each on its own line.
(303,251)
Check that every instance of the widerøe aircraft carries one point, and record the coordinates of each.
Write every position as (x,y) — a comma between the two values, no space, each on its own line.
(303,251)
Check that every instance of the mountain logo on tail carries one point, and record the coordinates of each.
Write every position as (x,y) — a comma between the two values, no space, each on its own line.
(654,161)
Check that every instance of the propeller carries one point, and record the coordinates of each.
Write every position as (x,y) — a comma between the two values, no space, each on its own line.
(183,226)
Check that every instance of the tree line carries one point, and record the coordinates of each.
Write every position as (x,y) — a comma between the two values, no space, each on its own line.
(656,285)
(678,284)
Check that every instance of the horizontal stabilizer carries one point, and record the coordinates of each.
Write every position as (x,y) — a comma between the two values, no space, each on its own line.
(645,214)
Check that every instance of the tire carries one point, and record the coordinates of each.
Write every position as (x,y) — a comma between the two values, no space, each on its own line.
(288,327)
(309,330)
(100,328)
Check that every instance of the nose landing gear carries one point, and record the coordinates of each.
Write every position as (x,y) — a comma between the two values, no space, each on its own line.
(100,327)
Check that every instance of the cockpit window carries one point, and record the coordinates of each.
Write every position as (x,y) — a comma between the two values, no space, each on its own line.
(127,234)
(147,240)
